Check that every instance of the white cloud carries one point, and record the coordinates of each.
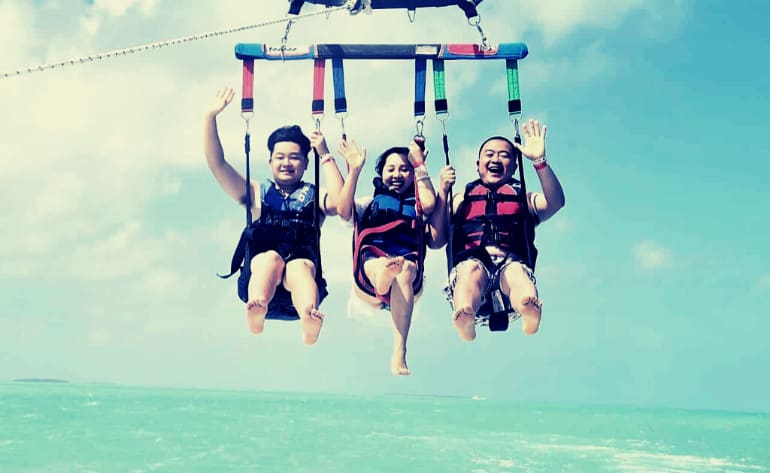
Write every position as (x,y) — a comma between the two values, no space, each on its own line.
(650,255)
(557,19)
(16,27)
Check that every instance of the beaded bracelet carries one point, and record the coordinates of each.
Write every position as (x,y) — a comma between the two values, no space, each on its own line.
(420,173)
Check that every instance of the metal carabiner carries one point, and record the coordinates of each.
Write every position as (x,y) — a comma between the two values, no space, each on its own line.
(476,22)
(341,118)
(419,125)
(285,38)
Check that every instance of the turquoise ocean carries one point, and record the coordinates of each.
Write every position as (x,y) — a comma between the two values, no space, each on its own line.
(63,428)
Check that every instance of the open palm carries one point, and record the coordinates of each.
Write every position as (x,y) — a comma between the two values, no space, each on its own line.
(534,140)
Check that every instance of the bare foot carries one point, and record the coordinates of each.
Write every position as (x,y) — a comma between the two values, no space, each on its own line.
(464,319)
(311,326)
(255,315)
(530,311)
(384,279)
(398,363)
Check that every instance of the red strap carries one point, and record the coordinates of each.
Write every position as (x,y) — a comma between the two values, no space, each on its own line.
(247,92)
(319,68)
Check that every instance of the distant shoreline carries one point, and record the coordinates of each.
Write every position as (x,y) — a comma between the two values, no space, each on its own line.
(39,380)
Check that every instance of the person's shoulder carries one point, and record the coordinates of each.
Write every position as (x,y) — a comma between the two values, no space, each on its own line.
(361,204)
(364,201)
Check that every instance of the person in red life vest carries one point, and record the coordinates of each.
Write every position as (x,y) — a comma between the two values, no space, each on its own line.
(279,281)
(389,240)
(492,252)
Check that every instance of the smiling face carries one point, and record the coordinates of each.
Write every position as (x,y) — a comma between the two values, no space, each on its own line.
(397,173)
(496,163)
(287,163)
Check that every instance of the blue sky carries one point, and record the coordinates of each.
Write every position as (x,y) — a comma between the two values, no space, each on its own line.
(655,276)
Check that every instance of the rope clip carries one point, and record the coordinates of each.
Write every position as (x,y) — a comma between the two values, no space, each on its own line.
(476,21)
(419,125)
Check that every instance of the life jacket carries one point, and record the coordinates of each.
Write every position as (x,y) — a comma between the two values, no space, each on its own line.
(494,217)
(283,222)
(390,226)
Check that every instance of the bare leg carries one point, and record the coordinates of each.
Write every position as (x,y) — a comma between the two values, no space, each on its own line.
(468,293)
(522,293)
(266,271)
(401,306)
(300,282)
(381,271)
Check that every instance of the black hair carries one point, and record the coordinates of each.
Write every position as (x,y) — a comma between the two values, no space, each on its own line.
(501,138)
(510,144)
(292,134)
(380,163)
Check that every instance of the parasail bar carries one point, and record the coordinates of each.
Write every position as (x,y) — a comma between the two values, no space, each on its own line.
(380,51)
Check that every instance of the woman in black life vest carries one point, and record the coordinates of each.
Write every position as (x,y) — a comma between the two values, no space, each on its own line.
(389,237)
(492,233)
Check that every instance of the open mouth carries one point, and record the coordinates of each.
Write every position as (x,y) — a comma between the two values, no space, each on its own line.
(396,183)
(495,168)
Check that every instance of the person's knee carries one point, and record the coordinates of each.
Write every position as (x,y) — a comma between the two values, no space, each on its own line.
(515,281)
(299,268)
(470,269)
(408,271)
(266,260)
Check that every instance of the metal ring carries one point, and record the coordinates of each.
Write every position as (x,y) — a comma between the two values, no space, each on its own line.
(247,116)
(419,125)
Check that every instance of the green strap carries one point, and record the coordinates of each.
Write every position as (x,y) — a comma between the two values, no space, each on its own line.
(514,98)
(439,87)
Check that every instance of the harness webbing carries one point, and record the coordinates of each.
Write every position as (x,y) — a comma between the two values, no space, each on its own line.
(439,88)
(340,101)
(338,75)
(247,109)
(247,90)
(514,111)
(420,67)
(514,99)
(319,69)
(442,113)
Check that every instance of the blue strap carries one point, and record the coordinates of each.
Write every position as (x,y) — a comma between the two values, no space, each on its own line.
(420,66)
(338,77)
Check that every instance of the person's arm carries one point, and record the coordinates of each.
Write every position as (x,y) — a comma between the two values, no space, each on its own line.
(423,185)
(332,175)
(229,179)
(355,158)
(438,223)
(546,203)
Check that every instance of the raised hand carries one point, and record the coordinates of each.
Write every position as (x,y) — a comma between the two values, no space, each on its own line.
(534,140)
(223,98)
(447,178)
(417,152)
(354,156)
(318,142)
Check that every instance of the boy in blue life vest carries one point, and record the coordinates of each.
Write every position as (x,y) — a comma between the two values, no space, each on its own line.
(280,280)
(492,234)
(389,234)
